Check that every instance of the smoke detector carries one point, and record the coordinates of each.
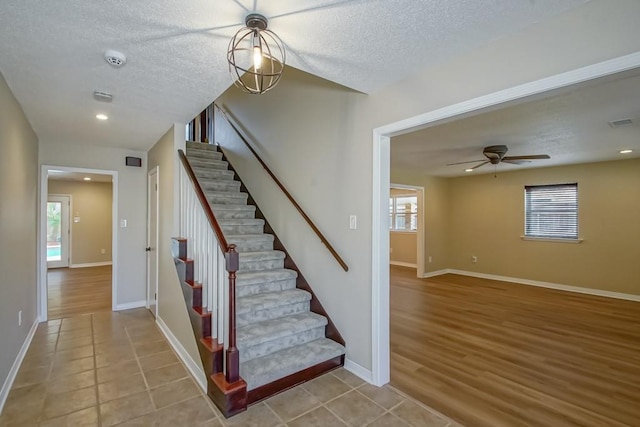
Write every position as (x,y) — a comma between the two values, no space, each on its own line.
(115,59)
(102,96)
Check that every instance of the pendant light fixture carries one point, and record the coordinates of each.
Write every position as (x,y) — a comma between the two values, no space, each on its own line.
(256,56)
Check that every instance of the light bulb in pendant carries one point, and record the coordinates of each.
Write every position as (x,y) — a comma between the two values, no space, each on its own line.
(257,51)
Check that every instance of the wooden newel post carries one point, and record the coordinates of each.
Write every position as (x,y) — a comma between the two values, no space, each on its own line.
(233,356)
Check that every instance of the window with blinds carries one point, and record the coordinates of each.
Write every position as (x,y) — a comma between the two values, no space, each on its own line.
(551,211)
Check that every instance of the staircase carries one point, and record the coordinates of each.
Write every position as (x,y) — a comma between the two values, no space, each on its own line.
(281,328)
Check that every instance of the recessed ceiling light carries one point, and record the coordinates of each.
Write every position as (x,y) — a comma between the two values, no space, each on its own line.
(101,116)
(625,151)
(468,170)
(87,178)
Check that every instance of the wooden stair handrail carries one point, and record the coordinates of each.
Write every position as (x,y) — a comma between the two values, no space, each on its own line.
(205,203)
(323,239)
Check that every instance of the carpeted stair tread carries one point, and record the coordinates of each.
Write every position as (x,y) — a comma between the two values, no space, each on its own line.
(269,330)
(193,153)
(233,211)
(261,260)
(208,164)
(269,300)
(211,184)
(218,174)
(201,146)
(254,277)
(263,370)
(227,198)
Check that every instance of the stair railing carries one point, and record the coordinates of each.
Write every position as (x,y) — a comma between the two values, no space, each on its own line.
(306,217)
(212,256)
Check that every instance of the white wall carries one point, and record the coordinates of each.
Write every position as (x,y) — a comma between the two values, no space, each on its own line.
(132,206)
(18,206)
(318,138)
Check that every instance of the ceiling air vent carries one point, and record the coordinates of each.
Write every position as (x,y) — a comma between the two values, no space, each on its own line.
(102,96)
(620,122)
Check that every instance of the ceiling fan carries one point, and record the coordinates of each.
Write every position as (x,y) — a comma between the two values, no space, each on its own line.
(497,153)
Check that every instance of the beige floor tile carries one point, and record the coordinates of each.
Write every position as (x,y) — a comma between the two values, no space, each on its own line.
(75,333)
(190,412)
(120,348)
(37,360)
(74,353)
(215,422)
(148,348)
(59,404)
(121,387)
(326,387)
(164,375)
(71,382)
(33,376)
(68,325)
(355,409)
(67,344)
(42,347)
(255,416)
(292,403)
(125,408)
(176,391)
(47,328)
(388,420)
(42,338)
(84,418)
(109,359)
(149,420)
(23,405)
(348,377)
(157,360)
(383,396)
(116,338)
(320,417)
(417,416)
(143,331)
(62,368)
(119,370)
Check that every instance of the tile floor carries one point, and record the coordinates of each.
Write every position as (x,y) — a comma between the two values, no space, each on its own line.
(107,369)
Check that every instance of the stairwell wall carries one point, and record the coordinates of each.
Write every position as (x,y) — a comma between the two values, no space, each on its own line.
(171,307)
(317,137)
(18,206)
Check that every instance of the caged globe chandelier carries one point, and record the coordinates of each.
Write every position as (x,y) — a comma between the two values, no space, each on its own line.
(256,56)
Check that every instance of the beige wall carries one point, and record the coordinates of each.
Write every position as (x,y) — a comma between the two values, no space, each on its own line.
(18,207)
(91,203)
(171,307)
(317,137)
(487,220)
(132,206)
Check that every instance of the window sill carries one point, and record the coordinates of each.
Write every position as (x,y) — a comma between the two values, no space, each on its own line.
(549,239)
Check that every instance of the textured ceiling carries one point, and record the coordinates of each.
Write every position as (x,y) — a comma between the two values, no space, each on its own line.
(52,52)
(571,125)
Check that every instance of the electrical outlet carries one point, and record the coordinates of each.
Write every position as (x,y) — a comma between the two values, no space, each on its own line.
(103,251)
(474,259)
(353,222)
(430,259)
(390,250)
(20,318)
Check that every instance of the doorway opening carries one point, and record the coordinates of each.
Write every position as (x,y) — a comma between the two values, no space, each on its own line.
(406,227)
(77,241)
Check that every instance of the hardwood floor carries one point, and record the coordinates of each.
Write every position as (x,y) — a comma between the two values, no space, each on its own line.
(73,291)
(490,353)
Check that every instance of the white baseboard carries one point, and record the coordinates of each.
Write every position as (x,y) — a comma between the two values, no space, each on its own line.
(435,273)
(358,370)
(130,305)
(90,264)
(192,366)
(557,286)
(8,382)
(403,264)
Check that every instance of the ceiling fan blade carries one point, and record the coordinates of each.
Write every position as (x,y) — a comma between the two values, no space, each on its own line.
(481,164)
(529,157)
(462,163)
(516,162)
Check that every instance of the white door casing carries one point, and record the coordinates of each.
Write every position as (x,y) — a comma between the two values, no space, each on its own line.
(64,232)
(153,205)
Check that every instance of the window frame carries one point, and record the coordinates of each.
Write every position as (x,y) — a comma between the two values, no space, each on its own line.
(556,209)
(393,214)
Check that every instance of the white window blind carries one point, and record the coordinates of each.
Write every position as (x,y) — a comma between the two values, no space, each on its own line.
(551,211)
(403,213)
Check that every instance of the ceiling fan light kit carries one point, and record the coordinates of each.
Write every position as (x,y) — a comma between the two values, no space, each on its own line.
(496,154)
(256,56)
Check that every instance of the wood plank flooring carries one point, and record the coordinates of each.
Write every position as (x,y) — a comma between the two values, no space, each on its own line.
(73,291)
(490,353)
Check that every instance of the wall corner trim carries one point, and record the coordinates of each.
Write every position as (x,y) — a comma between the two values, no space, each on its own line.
(184,356)
(436,273)
(358,370)
(91,264)
(403,264)
(130,305)
(8,382)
